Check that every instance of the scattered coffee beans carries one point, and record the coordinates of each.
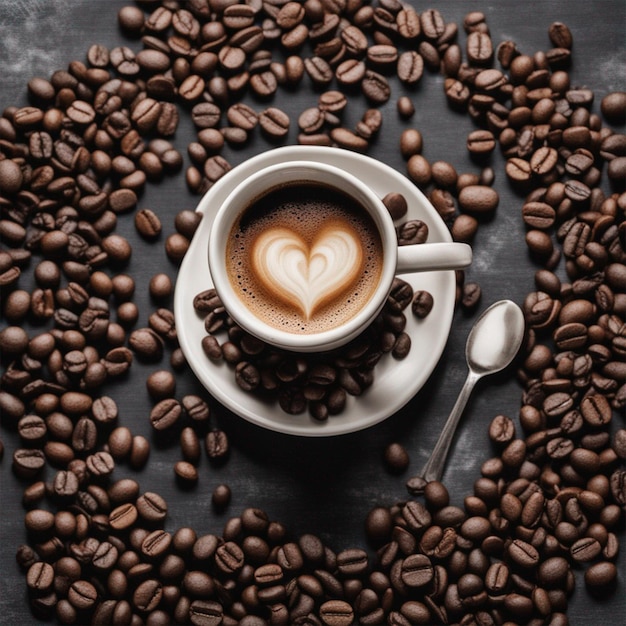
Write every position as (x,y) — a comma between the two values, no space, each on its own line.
(76,159)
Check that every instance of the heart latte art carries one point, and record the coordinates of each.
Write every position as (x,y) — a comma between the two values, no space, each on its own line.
(306,277)
(304,258)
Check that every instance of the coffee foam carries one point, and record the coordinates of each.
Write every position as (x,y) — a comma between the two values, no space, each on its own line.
(305,258)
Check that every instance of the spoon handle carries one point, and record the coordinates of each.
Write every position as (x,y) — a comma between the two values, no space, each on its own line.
(433,470)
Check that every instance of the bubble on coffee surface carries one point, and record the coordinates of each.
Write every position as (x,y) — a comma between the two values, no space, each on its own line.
(285,258)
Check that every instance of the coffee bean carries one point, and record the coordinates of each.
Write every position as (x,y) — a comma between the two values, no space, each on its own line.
(40,577)
(205,613)
(336,613)
(352,562)
(28,462)
(151,507)
(146,344)
(229,557)
(176,245)
(410,67)
(471,295)
(186,472)
(523,554)
(165,414)
(596,410)
(82,595)
(161,384)
(600,576)
(411,142)
(217,445)
(412,232)
(147,595)
(160,286)
(417,570)
(613,107)
(416,516)
(346,138)
(221,496)
(480,143)
(400,295)
(422,303)
(479,47)
(396,457)
(396,205)
(375,87)
(274,122)
(147,223)
(419,170)
(618,486)
(405,107)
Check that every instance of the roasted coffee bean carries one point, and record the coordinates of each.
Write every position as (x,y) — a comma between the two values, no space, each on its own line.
(618,486)
(229,557)
(336,613)
(346,138)
(596,410)
(471,295)
(396,457)
(600,576)
(375,87)
(352,562)
(221,496)
(147,223)
(479,47)
(176,245)
(412,232)
(205,613)
(523,554)
(82,595)
(416,570)
(165,414)
(422,303)
(396,205)
(151,507)
(196,407)
(419,169)
(186,472)
(411,142)
(190,445)
(146,344)
(613,107)
(274,122)
(100,464)
(28,462)
(410,67)
(216,444)
(400,295)
(480,143)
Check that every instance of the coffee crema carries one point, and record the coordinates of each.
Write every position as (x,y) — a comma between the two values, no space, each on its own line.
(304,257)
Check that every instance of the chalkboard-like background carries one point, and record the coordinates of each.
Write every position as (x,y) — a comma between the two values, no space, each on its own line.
(324,486)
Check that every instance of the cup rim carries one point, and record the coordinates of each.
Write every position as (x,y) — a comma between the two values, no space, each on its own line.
(226,217)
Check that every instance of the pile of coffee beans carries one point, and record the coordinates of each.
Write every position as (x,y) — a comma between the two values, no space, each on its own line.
(319,383)
(76,159)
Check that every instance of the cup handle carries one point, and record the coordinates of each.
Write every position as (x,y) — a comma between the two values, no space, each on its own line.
(424,257)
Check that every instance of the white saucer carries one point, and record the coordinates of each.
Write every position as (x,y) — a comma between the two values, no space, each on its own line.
(396,381)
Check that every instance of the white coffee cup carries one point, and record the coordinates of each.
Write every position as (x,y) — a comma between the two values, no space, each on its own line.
(395,259)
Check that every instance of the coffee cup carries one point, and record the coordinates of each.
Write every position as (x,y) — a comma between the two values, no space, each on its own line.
(303,255)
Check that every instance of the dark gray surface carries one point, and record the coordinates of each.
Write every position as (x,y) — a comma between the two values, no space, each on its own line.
(325,486)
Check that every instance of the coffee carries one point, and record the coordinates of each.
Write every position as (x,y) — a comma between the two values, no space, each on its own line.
(305,257)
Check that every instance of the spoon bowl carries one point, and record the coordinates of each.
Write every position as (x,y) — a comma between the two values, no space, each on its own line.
(491,345)
(495,338)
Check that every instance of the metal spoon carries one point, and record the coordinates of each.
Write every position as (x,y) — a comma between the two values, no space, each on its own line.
(491,345)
